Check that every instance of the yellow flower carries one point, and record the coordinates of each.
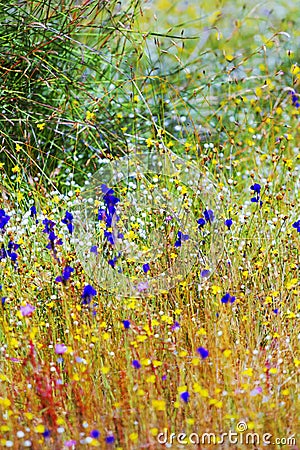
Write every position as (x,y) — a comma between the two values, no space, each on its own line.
(16,169)
(290,284)
(5,402)
(39,428)
(215,289)
(156,363)
(150,379)
(159,405)
(41,126)
(133,437)
(90,116)
(248,372)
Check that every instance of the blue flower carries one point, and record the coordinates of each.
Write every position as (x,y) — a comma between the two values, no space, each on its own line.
(9,252)
(256,188)
(205,273)
(176,326)
(49,225)
(227,298)
(112,262)
(201,222)
(185,396)
(101,214)
(295,99)
(110,237)
(33,211)
(46,433)
(146,267)
(110,439)
(126,324)
(136,364)
(297,225)
(95,434)
(94,249)
(208,215)
(181,237)
(228,223)
(203,352)
(88,293)
(68,220)
(4,218)
(208,218)
(65,275)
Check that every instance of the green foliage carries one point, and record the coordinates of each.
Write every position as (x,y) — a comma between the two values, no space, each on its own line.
(59,60)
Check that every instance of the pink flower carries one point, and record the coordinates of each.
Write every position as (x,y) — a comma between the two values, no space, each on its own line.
(27,310)
(70,443)
(142,286)
(256,391)
(60,349)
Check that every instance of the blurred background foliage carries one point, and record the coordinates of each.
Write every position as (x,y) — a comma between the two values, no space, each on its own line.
(86,80)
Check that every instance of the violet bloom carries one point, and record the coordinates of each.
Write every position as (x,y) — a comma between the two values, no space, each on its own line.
(60,349)
(27,310)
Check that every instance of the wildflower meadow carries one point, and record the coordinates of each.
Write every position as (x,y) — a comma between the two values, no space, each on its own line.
(149,224)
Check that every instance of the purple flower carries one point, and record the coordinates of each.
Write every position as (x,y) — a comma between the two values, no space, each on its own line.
(142,286)
(203,352)
(228,223)
(27,310)
(205,273)
(185,396)
(136,364)
(60,349)
(88,293)
(176,326)
(126,324)
(256,391)
(70,443)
